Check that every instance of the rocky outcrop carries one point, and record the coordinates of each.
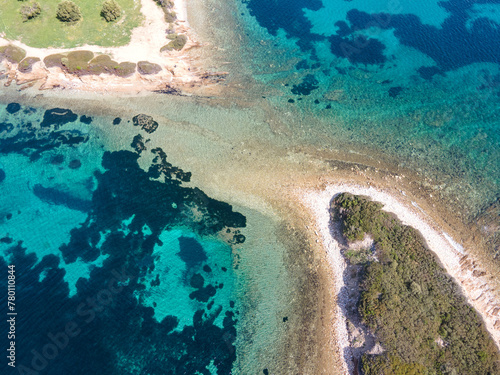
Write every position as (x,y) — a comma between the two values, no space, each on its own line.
(147,123)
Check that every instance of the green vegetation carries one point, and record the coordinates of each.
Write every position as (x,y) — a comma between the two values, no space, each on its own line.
(27,63)
(28,12)
(413,307)
(46,30)
(68,11)
(145,67)
(178,41)
(84,62)
(360,256)
(111,10)
(170,17)
(12,53)
(166,6)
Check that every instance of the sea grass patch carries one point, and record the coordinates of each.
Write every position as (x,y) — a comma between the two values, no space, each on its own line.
(13,108)
(178,41)
(145,67)
(58,117)
(12,54)
(26,65)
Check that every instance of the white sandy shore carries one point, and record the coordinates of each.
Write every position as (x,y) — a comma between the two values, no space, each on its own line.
(460,266)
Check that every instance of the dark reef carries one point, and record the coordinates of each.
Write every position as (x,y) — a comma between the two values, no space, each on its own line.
(13,108)
(92,331)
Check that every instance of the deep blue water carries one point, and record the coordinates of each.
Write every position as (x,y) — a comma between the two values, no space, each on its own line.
(417,81)
(459,40)
(117,273)
(114,272)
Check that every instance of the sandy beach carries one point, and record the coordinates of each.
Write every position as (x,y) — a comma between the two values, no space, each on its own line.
(179,69)
(476,285)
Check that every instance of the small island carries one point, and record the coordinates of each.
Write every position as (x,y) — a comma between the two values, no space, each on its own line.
(405,314)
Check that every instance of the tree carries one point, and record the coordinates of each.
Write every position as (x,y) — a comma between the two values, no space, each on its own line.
(111,11)
(30,11)
(68,11)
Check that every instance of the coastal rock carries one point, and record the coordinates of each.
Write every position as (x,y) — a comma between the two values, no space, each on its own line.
(125,69)
(54,60)
(145,122)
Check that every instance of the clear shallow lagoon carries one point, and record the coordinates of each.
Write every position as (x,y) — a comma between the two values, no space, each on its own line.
(194,298)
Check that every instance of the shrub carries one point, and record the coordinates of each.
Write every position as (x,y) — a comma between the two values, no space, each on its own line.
(12,54)
(111,11)
(170,17)
(124,69)
(410,303)
(51,61)
(145,67)
(30,11)
(27,63)
(178,42)
(68,11)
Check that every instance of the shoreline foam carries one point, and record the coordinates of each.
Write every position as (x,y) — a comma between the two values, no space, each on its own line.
(474,284)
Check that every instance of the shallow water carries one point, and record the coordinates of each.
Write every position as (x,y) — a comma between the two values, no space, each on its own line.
(309,81)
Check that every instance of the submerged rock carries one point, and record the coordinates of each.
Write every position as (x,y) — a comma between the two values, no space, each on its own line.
(138,143)
(145,122)
(75,164)
(58,117)
(13,107)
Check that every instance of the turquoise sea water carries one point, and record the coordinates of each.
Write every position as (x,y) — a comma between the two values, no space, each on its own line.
(110,232)
(417,82)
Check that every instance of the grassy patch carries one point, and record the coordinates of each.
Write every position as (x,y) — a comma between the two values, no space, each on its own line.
(414,308)
(47,31)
